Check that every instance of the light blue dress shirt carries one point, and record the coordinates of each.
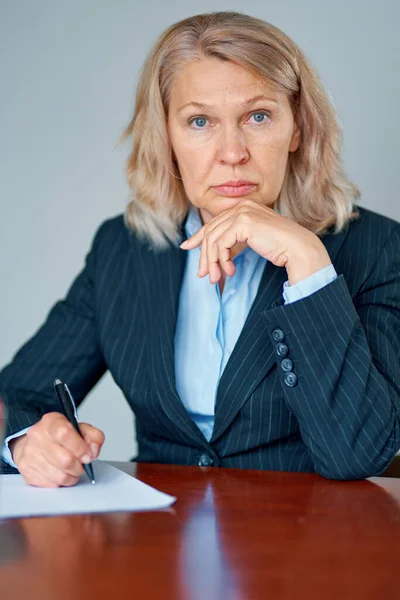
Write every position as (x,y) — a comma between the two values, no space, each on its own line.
(209,324)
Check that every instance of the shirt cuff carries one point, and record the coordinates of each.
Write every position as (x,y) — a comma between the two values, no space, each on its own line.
(309,285)
(6,453)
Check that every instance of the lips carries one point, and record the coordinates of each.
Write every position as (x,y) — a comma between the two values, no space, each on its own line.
(234,188)
(236,183)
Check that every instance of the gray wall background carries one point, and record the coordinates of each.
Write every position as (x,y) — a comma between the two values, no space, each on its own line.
(68,71)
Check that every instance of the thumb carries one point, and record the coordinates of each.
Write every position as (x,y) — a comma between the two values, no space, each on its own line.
(93,437)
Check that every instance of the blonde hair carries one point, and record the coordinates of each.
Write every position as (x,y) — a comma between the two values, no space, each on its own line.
(316,192)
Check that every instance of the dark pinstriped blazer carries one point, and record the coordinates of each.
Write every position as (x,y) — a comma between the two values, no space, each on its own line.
(340,419)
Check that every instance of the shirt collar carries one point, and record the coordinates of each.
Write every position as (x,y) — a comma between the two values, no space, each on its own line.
(193,221)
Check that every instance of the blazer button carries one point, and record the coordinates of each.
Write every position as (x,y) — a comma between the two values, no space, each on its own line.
(282,349)
(287,364)
(205,461)
(278,335)
(290,379)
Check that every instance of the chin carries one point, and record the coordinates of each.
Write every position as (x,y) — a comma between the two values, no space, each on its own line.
(224,202)
(218,204)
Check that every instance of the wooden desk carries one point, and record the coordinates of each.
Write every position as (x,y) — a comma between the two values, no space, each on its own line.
(235,535)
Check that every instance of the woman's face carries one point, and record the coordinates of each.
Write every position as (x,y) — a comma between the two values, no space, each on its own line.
(221,130)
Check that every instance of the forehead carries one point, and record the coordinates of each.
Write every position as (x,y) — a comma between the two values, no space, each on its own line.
(212,79)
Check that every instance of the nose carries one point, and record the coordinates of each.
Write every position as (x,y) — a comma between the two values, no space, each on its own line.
(232,148)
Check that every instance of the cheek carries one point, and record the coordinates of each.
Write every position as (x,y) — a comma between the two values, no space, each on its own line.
(270,160)
(193,161)
(276,141)
(272,153)
(195,149)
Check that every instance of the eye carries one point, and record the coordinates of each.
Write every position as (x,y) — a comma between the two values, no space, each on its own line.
(200,121)
(261,114)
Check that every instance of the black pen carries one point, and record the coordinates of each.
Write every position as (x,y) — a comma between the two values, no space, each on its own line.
(69,408)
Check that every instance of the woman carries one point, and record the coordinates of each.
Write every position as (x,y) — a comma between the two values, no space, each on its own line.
(287,355)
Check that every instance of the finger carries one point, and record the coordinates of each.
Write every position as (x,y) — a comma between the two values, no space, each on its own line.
(93,437)
(225,259)
(52,472)
(194,241)
(209,252)
(229,238)
(218,253)
(63,460)
(203,265)
(39,467)
(212,261)
(226,242)
(33,477)
(43,474)
(63,433)
(227,214)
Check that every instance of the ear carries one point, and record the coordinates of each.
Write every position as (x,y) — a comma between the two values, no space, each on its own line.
(295,141)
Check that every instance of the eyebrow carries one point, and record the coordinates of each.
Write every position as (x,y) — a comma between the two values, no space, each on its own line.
(245,104)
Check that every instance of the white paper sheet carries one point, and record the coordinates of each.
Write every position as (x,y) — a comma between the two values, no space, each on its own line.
(113,491)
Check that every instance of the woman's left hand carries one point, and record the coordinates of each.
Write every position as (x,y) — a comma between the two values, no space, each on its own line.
(276,238)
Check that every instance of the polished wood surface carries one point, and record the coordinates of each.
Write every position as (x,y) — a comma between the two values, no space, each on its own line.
(231,535)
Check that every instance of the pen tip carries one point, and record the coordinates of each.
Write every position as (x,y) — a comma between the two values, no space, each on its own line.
(93,481)
(57,381)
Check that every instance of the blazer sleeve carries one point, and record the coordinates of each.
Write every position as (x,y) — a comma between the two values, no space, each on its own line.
(345,391)
(65,346)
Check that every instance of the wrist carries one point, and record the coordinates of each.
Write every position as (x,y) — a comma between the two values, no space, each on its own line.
(15,446)
(306,262)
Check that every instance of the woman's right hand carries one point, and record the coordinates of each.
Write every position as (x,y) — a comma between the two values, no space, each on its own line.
(51,453)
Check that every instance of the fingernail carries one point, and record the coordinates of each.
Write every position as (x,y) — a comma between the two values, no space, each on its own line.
(94,448)
(86,459)
(184,244)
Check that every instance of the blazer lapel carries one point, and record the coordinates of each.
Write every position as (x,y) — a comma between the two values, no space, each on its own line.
(161,275)
(254,355)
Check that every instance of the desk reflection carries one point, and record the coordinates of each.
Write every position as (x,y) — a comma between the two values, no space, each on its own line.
(205,571)
(13,544)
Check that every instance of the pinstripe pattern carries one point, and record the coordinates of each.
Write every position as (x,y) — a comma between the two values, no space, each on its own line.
(340,420)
